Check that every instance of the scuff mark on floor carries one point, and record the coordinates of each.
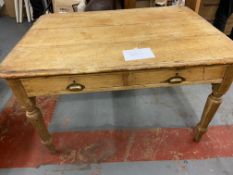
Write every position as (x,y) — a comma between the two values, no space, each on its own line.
(93,153)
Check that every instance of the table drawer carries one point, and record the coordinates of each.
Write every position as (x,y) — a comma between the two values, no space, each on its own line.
(121,80)
(61,84)
(170,76)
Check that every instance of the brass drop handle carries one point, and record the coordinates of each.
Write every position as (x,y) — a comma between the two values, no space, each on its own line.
(176,79)
(75,87)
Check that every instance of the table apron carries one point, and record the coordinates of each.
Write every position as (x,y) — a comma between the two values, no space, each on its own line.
(112,81)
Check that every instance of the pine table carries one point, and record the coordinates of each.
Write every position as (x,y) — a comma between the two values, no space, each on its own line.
(82,53)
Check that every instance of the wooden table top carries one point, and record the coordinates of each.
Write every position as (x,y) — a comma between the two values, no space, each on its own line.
(92,42)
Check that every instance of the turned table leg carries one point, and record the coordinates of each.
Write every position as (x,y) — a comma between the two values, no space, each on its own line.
(213,102)
(33,113)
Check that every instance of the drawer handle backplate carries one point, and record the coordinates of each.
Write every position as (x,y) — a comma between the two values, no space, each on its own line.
(75,87)
(176,79)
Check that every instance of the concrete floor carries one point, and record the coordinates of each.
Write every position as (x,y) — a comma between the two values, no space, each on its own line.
(178,107)
(10,33)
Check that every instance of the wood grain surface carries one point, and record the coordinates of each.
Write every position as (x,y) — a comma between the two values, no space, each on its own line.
(63,44)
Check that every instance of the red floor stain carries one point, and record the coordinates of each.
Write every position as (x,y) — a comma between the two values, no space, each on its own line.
(20,145)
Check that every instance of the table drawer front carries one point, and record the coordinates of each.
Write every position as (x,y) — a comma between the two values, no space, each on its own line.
(121,80)
(166,76)
(60,84)
(189,75)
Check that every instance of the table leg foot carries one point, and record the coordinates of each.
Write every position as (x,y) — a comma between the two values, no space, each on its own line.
(199,132)
(49,144)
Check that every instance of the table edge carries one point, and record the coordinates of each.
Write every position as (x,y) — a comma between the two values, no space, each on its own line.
(59,72)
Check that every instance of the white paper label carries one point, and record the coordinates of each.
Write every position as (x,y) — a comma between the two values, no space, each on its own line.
(138,54)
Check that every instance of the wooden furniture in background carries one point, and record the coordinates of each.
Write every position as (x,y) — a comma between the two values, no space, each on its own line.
(193,4)
(197,6)
(208,10)
(8,9)
(130,4)
(66,54)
